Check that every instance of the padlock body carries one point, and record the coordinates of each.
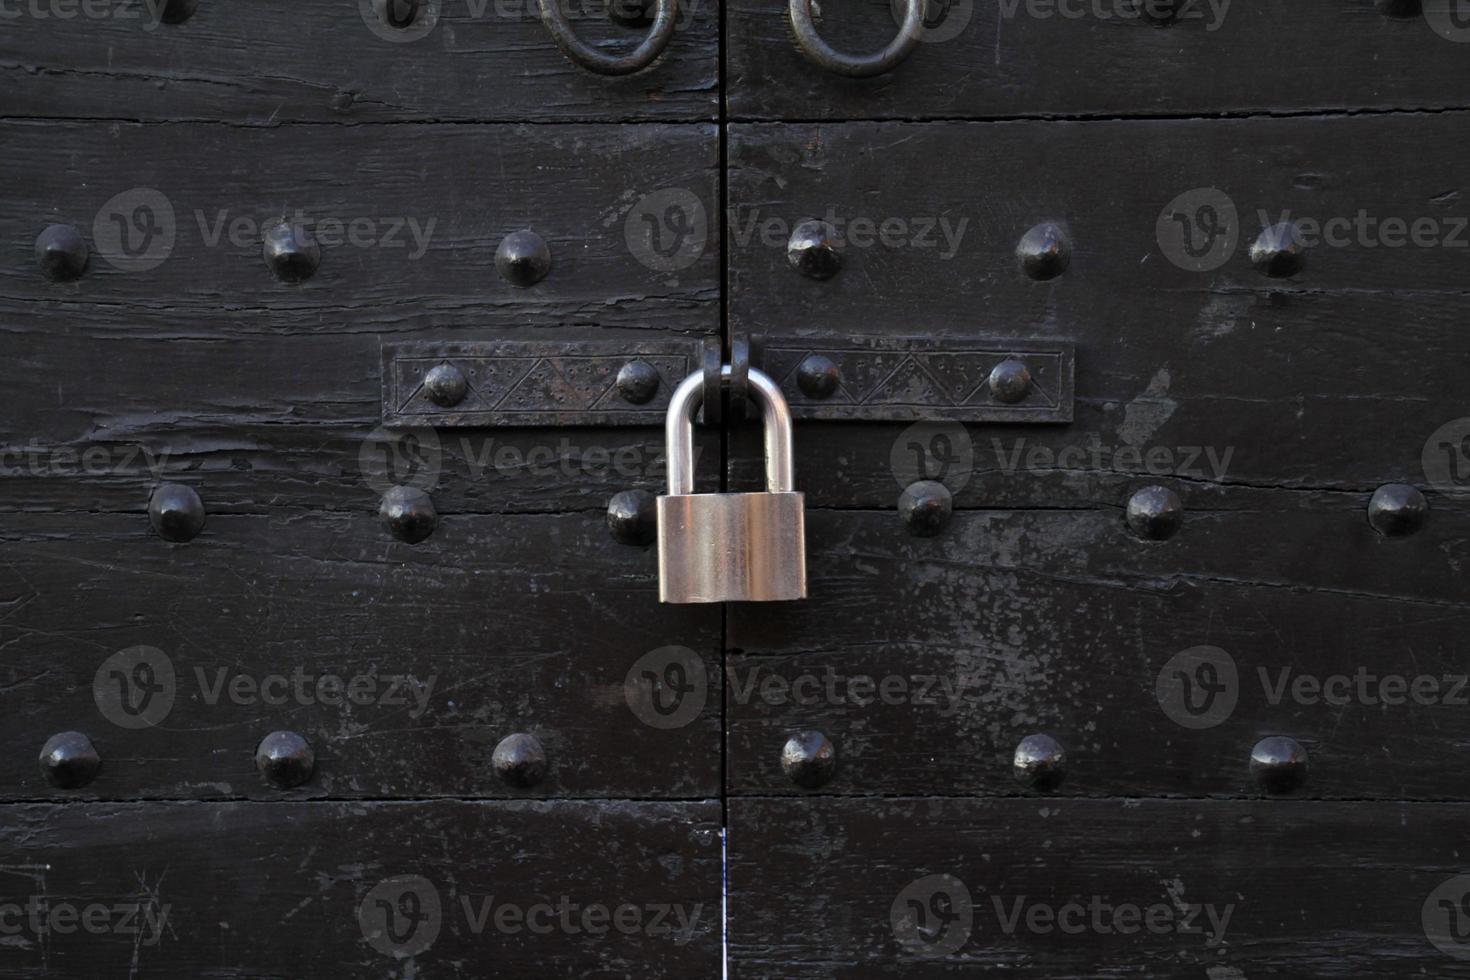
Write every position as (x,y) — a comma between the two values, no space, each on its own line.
(732,547)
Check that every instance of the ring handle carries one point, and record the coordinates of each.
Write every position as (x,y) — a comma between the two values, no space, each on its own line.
(666,12)
(910,33)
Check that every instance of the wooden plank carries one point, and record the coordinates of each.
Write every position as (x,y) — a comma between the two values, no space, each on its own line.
(491,626)
(275,62)
(442,888)
(1052,58)
(927,661)
(1336,378)
(1104,889)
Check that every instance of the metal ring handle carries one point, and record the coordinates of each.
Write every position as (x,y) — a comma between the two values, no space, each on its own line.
(776,415)
(910,33)
(666,12)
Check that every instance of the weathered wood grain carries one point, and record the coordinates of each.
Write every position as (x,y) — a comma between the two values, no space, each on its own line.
(322,61)
(284,890)
(1324,890)
(1018,58)
(494,625)
(1333,379)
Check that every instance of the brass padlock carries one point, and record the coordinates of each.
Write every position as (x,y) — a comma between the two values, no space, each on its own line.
(731,547)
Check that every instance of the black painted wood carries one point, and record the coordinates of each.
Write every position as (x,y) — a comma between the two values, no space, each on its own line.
(283,890)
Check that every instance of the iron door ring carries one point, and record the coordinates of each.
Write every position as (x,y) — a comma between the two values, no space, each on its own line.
(910,32)
(666,13)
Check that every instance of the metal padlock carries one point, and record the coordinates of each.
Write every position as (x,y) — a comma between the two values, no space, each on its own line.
(731,547)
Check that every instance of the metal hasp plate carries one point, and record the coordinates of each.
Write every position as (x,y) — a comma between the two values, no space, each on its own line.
(535,383)
(898,379)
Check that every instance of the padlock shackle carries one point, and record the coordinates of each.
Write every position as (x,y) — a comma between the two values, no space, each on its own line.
(775,414)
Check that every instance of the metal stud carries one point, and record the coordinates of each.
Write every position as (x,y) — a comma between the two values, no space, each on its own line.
(519,760)
(445,385)
(926,508)
(818,377)
(1278,251)
(1040,763)
(809,759)
(1044,252)
(812,250)
(632,517)
(1397,509)
(408,513)
(638,382)
(291,252)
(69,760)
(523,258)
(176,512)
(1010,381)
(285,759)
(1155,513)
(1279,764)
(61,253)
(178,11)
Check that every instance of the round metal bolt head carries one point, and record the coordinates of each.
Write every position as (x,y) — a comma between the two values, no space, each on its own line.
(1278,252)
(1279,764)
(177,11)
(1155,513)
(637,382)
(1040,762)
(632,517)
(445,385)
(809,759)
(523,258)
(291,252)
(285,759)
(1010,381)
(408,513)
(812,250)
(69,760)
(176,512)
(519,760)
(1044,252)
(926,508)
(61,253)
(1397,510)
(818,377)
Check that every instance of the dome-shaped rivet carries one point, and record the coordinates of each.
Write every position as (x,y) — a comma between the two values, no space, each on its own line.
(1279,764)
(1010,381)
(809,759)
(926,508)
(1155,513)
(408,513)
(61,253)
(637,382)
(69,760)
(1044,252)
(818,377)
(1040,762)
(285,759)
(632,13)
(400,14)
(523,258)
(445,385)
(519,760)
(632,517)
(291,252)
(1278,251)
(1399,8)
(812,250)
(1397,509)
(177,11)
(176,512)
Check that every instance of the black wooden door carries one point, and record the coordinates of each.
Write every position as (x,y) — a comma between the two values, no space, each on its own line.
(1126,344)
